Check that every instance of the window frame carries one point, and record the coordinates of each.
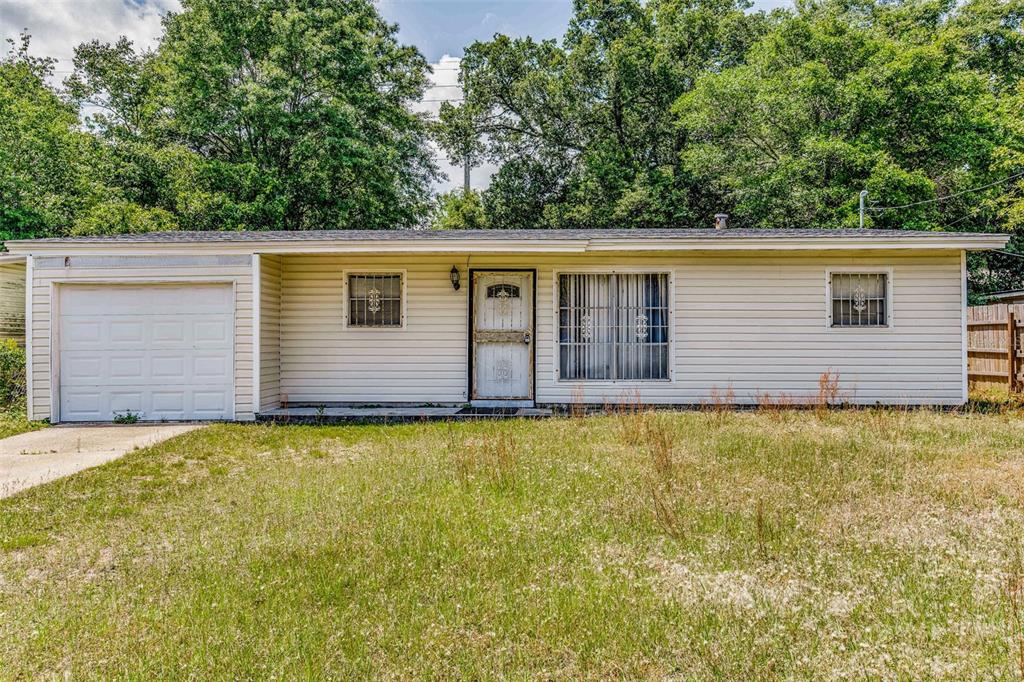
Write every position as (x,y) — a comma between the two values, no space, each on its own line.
(346,307)
(598,270)
(860,270)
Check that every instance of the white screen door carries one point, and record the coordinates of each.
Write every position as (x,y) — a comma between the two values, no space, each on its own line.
(502,335)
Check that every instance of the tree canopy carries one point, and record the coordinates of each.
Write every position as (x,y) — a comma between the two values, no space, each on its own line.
(256,114)
(656,113)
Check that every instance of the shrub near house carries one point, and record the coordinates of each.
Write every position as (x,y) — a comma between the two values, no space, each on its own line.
(12,373)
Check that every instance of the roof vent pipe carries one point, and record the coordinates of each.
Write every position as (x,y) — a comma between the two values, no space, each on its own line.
(721,221)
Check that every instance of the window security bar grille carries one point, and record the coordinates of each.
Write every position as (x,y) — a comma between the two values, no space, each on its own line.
(859,300)
(375,300)
(613,326)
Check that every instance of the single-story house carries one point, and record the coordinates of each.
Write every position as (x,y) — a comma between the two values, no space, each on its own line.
(231,325)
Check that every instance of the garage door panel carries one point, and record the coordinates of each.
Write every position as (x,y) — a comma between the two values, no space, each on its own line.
(81,367)
(210,367)
(160,362)
(81,332)
(110,332)
(169,402)
(123,401)
(131,367)
(169,368)
(129,333)
(211,333)
(81,404)
(138,368)
(106,299)
(173,332)
(209,402)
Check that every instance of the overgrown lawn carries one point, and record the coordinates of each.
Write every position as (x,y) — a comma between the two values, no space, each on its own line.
(697,545)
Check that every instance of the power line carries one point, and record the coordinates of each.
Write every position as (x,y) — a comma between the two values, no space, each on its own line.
(948,196)
(1007,253)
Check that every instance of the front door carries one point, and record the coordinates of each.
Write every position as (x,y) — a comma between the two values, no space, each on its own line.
(502,336)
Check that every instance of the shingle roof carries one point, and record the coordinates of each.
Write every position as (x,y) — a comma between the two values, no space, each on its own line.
(512,235)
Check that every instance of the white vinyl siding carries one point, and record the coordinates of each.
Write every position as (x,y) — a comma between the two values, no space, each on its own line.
(749,322)
(50,271)
(756,324)
(270,332)
(12,302)
(323,360)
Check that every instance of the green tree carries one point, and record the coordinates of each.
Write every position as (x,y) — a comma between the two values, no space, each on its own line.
(458,210)
(584,129)
(119,86)
(831,102)
(265,114)
(44,158)
(55,178)
(309,99)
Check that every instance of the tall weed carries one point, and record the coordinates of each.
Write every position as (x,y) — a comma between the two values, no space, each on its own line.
(492,458)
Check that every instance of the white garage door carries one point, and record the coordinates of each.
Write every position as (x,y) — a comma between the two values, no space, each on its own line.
(157,351)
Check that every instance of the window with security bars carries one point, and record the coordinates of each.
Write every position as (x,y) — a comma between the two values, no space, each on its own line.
(613,326)
(375,300)
(859,299)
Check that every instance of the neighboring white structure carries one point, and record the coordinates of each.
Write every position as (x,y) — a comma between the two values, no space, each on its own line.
(12,298)
(226,325)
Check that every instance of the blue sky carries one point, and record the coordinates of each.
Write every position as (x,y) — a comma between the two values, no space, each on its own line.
(440,27)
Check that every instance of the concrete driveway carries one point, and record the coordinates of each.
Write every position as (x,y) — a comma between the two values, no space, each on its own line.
(29,459)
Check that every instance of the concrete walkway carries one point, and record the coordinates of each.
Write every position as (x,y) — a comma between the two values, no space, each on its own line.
(29,459)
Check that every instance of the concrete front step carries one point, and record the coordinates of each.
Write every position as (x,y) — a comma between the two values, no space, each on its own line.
(392,415)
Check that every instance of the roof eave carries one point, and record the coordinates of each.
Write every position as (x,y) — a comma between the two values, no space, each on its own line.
(956,242)
(973,242)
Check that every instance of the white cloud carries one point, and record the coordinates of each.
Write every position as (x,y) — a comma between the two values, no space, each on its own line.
(57,26)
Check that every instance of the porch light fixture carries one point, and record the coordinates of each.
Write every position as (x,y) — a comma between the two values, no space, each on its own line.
(454,276)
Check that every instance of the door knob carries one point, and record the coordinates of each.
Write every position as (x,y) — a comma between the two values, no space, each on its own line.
(526,337)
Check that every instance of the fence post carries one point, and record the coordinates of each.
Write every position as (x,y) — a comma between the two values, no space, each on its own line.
(1011,351)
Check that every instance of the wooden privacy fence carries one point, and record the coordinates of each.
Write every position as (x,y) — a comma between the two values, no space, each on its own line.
(994,343)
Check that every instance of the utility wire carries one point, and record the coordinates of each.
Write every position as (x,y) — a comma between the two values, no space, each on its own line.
(948,196)
(1007,253)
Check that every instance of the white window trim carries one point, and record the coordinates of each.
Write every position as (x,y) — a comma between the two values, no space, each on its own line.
(29,369)
(964,388)
(860,270)
(257,332)
(599,270)
(384,272)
